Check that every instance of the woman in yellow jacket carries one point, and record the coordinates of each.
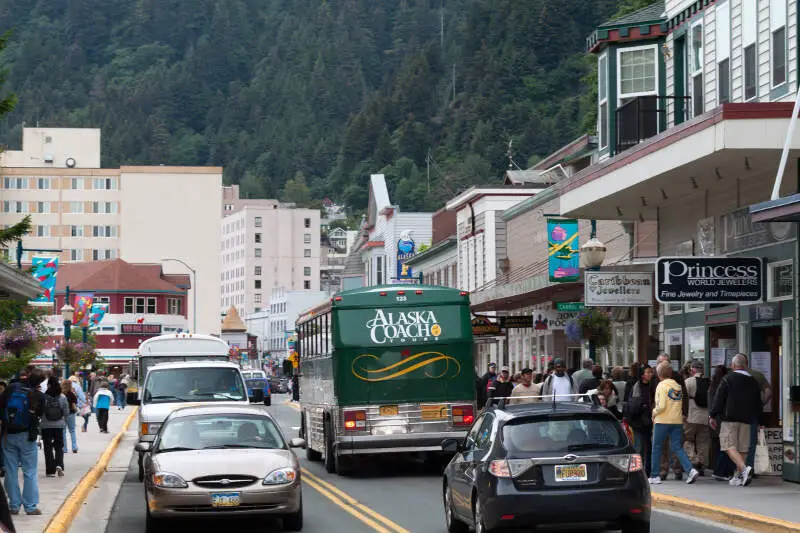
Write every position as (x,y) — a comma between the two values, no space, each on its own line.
(668,422)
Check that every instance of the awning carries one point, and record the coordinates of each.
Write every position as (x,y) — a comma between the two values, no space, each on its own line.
(523,293)
(18,284)
(785,209)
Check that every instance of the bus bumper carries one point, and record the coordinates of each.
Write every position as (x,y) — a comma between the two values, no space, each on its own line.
(395,443)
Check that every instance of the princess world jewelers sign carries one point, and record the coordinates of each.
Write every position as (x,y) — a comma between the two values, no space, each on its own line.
(618,289)
(709,279)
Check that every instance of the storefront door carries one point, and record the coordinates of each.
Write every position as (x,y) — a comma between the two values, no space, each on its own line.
(765,348)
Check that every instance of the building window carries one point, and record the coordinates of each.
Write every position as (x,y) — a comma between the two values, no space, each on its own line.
(257,222)
(306,271)
(637,72)
(723,50)
(724,79)
(695,85)
(257,284)
(258,270)
(174,306)
(228,207)
(44,183)
(750,72)
(602,99)
(780,285)
(307,238)
(749,36)
(151,306)
(258,252)
(307,285)
(673,309)
(42,231)
(128,305)
(694,307)
(779,56)
(307,222)
(257,298)
(695,344)
(77,183)
(76,255)
(307,252)
(42,207)
(76,231)
(258,237)
(379,270)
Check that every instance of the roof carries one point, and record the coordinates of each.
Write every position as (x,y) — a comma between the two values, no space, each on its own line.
(651,13)
(232,322)
(430,294)
(527,409)
(116,275)
(434,250)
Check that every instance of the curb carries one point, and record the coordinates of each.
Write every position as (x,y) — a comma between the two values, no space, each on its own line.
(724,515)
(62,519)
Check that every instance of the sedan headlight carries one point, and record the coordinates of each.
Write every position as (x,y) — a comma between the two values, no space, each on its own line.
(281,476)
(168,480)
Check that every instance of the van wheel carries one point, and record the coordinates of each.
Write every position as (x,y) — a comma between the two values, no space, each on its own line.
(268,400)
(329,457)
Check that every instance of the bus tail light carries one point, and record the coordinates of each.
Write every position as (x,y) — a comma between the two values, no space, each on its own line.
(338,298)
(464,293)
(401,293)
(382,294)
(355,420)
(463,415)
(419,292)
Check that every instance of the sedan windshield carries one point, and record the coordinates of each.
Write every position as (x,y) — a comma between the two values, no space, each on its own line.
(221,431)
(193,384)
(563,434)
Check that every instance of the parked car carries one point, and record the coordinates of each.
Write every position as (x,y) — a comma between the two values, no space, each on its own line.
(222,461)
(536,464)
(258,390)
(278,385)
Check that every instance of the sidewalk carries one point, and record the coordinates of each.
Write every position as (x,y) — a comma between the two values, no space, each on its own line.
(53,491)
(769,498)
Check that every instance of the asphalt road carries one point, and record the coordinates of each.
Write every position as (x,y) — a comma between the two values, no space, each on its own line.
(385,497)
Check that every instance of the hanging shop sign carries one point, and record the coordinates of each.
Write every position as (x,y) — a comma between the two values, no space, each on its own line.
(516,322)
(552,319)
(709,279)
(570,306)
(483,327)
(563,250)
(615,289)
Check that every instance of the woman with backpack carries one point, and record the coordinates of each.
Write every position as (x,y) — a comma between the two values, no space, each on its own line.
(72,401)
(54,420)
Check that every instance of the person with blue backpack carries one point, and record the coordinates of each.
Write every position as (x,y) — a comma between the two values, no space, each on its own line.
(22,405)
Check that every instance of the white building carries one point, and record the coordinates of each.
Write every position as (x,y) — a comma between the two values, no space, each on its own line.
(139,214)
(284,308)
(264,247)
(258,326)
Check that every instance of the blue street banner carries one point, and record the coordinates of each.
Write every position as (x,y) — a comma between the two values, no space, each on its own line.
(563,250)
(83,308)
(45,270)
(97,314)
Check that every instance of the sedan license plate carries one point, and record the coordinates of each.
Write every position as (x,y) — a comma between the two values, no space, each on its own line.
(225,499)
(388,410)
(433,412)
(571,473)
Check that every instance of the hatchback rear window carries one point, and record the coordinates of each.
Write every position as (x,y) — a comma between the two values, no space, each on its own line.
(561,434)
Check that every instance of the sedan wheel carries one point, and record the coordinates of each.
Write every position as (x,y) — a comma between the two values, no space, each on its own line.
(454,525)
(294,521)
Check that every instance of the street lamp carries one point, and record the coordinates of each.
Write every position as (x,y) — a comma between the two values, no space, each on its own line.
(67,313)
(194,290)
(593,253)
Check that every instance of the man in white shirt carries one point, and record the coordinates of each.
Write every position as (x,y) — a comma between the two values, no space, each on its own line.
(522,393)
(559,383)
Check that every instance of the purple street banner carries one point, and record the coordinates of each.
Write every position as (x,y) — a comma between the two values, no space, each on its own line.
(45,270)
(96,314)
(563,250)
(83,308)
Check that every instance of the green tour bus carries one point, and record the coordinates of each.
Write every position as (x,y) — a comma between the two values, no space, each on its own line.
(385,369)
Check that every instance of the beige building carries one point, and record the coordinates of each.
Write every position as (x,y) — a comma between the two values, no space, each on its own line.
(264,246)
(140,214)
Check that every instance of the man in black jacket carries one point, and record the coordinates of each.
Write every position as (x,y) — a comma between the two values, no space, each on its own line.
(483,385)
(502,386)
(738,403)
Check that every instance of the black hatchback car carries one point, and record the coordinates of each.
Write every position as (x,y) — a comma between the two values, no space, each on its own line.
(563,464)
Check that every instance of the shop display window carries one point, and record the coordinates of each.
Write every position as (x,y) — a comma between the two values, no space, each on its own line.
(695,344)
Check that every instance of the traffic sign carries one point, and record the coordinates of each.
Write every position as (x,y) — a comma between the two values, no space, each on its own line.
(569,306)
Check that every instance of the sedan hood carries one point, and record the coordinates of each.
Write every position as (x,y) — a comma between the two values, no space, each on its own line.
(247,462)
(157,412)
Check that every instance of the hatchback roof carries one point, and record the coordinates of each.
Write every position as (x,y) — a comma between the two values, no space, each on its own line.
(538,408)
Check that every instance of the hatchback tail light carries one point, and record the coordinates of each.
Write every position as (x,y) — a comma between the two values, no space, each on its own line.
(355,420)
(509,467)
(463,415)
(626,463)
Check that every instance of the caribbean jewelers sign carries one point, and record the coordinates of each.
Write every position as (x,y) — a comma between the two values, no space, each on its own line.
(710,279)
(618,289)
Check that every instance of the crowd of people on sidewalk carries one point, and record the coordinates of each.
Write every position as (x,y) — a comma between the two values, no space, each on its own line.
(40,410)
(705,422)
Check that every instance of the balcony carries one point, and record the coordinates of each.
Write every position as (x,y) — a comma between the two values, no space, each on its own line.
(643,117)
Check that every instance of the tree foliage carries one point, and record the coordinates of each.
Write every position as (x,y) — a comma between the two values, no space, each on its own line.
(327,91)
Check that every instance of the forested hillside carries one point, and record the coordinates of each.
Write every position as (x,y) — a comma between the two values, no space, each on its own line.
(324,92)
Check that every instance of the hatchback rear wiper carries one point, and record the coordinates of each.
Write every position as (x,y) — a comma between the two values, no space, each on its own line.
(588,446)
(168,397)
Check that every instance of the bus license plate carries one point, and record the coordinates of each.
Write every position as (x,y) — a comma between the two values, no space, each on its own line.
(225,499)
(388,410)
(433,412)
(571,473)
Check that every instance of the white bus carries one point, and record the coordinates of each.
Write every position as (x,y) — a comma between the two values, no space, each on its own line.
(178,348)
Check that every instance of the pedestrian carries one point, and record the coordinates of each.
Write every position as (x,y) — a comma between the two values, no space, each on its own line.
(620,384)
(103,399)
(668,422)
(526,391)
(47,375)
(122,387)
(738,403)
(723,466)
(501,387)
(582,375)
(56,411)
(482,392)
(608,392)
(22,404)
(593,382)
(639,414)
(696,432)
(559,385)
(634,373)
(72,401)
(677,469)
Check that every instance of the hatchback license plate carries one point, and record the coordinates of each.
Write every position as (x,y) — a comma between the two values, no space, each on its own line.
(571,473)
(225,499)
(388,410)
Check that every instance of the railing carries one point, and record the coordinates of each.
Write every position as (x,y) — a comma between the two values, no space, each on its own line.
(645,116)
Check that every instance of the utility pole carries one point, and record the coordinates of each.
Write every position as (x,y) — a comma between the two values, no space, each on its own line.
(428,167)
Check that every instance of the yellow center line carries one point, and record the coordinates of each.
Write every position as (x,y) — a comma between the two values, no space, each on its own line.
(308,476)
(291,404)
(339,503)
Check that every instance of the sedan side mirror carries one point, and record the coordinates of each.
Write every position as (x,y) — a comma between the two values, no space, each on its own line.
(297,443)
(143,447)
(451,445)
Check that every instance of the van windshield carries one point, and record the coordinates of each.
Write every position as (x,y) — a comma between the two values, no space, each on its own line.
(148,362)
(165,385)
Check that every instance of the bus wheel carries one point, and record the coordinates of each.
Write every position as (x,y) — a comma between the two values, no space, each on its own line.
(141,468)
(330,453)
